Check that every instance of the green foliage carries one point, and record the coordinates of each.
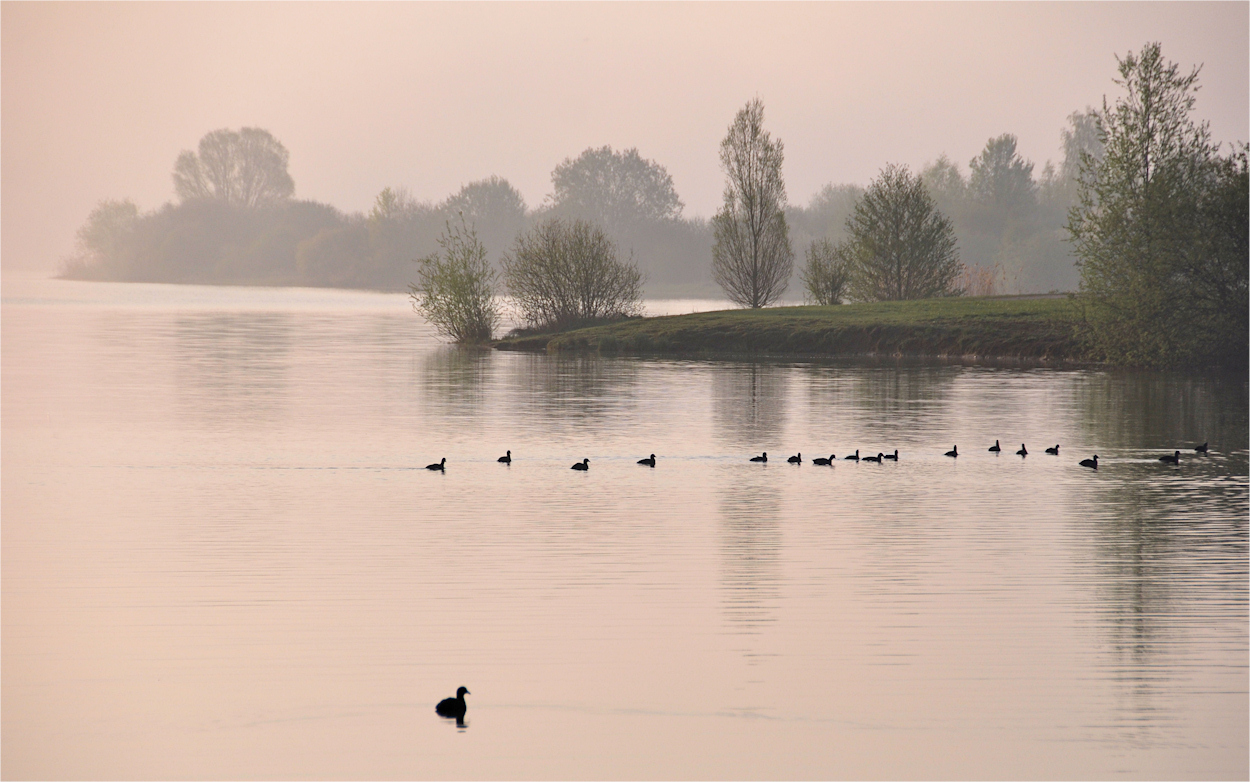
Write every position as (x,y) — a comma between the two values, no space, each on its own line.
(1160,227)
(455,288)
(563,272)
(752,260)
(899,245)
(828,271)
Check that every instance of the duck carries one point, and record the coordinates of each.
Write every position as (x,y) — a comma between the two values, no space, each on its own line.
(649,461)
(823,462)
(797,459)
(1023,451)
(954,451)
(506,458)
(1053,451)
(853,458)
(1173,459)
(583,465)
(995,448)
(893,458)
(762,458)
(439,465)
(1200,448)
(876,458)
(453,707)
(1090,462)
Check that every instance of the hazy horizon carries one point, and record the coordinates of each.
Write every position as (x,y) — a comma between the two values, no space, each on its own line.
(99,98)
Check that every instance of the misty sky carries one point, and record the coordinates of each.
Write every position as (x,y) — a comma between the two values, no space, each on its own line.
(97,99)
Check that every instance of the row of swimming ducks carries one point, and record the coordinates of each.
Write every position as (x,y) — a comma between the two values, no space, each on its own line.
(584,464)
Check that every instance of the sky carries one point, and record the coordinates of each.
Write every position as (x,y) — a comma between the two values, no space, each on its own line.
(98,99)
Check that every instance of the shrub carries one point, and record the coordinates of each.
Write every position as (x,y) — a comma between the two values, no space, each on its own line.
(828,272)
(455,288)
(565,273)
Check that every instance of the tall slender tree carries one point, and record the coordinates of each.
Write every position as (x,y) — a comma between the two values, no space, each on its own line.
(752,259)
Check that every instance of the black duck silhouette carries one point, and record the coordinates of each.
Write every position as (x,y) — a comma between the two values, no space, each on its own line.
(762,458)
(1200,448)
(995,448)
(822,461)
(1090,462)
(797,459)
(649,461)
(893,458)
(1053,451)
(453,707)
(954,451)
(1023,451)
(1172,459)
(438,465)
(583,465)
(507,458)
(853,458)
(876,458)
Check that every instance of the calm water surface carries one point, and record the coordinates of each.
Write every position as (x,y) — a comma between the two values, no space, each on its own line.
(222,557)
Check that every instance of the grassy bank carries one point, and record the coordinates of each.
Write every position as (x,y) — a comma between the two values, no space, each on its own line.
(1012,328)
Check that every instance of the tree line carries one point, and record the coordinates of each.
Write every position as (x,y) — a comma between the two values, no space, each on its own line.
(1144,215)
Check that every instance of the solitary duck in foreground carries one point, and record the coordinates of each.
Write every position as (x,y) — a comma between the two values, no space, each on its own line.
(1090,462)
(583,465)
(649,461)
(1023,451)
(822,461)
(797,459)
(1173,459)
(892,458)
(954,451)
(762,458)
(506,459)
(1200,448)
(876,458)
(453,707)
(995,448)
(438,466)
(853,458)
(1053,451)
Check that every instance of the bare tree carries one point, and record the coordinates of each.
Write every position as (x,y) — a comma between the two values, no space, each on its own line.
(244,168)
(564,273)
(752,259)
(902,247)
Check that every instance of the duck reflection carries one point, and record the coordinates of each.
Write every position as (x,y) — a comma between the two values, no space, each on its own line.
(750,547)
(749,403)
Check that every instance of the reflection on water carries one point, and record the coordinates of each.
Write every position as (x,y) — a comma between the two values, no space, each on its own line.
(750,546)
(222,557)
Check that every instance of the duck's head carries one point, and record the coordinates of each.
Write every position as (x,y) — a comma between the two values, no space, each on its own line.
(463,691)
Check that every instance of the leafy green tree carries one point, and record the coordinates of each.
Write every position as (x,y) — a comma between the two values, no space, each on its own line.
(901,247)
(1000,178)
(752,260)
(455,288)
(1159,226)
(614,189)
(561,273)
(245,168)
(828,271)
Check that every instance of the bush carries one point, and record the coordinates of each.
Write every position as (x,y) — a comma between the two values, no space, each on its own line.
(827,273)
(565,273)
(455,288)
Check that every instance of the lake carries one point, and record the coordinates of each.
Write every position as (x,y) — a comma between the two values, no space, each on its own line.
(222,556)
